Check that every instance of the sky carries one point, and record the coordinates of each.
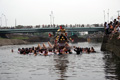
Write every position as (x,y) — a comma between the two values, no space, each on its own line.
(37,12)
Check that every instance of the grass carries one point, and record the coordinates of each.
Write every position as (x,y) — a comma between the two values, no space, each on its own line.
(20,37)
(2,38)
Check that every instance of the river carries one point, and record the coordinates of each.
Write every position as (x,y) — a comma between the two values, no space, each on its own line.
(93,66)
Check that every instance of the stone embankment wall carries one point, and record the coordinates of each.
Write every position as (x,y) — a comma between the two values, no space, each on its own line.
(112,45)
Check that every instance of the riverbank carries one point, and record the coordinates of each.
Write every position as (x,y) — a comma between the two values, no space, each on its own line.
(95,37)
(12,42)
(111,45)
(18,40)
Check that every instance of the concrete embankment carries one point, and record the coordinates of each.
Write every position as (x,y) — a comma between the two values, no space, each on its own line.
(37,39)
(96,37)
(32,40)
(12,42)
(112,45)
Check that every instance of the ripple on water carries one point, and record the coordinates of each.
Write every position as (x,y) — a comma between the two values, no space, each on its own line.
(14,66)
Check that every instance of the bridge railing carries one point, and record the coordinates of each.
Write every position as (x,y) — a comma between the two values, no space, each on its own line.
(33,30)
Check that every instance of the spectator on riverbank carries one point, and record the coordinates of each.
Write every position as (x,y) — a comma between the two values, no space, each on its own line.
(114,23)
(116,30)
(119,30)
(112,27)
(119,19)
(106,27)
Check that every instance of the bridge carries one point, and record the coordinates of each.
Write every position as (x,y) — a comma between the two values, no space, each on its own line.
(3,32)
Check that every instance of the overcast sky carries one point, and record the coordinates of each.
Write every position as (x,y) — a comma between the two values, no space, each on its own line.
(37,12)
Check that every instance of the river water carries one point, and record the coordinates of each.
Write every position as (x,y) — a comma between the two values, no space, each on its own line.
(93,66)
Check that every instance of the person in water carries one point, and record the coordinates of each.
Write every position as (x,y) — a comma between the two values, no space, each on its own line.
(77,50)
(12,51)
(92,49)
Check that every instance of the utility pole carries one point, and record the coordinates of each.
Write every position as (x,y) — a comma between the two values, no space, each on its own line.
(15,23)
(118,12)
(50,20)
(104,15)
(5,20)
(53,20)
(52,17)
(0,20)
(108,15)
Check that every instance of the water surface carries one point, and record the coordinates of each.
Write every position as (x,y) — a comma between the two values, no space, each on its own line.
(93,66)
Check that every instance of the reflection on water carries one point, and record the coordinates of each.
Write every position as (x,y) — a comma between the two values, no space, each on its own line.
(94,66)
(61,65)
(112,66)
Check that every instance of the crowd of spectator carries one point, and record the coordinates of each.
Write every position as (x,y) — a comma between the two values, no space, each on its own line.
(52,26)
(112,27)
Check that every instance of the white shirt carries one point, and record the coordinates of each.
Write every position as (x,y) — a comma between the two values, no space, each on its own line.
(57,52)
(30,53)
(18,52)
(118,28)
(119,20)
(50,53)
(107,26)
